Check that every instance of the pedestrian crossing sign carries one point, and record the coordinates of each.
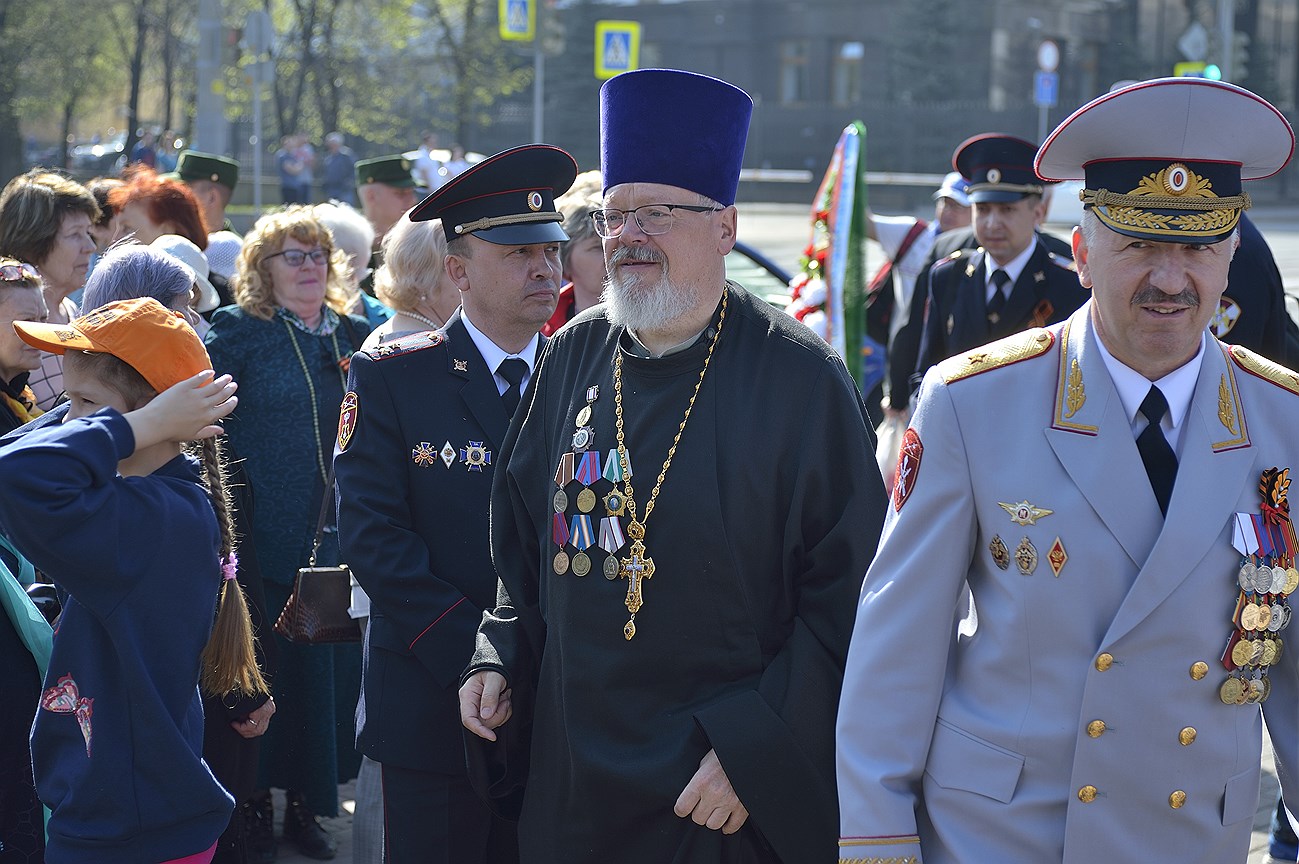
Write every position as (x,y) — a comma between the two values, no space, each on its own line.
(617,47)
(518,20)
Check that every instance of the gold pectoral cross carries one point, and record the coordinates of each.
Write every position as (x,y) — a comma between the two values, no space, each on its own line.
(634,570)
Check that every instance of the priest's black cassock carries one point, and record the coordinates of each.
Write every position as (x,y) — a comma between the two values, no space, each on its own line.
(766,522)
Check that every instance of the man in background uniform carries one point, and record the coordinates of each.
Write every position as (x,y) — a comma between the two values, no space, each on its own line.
(419,440)
(213,179)
(1011,282)
(1252,311)
(387,190)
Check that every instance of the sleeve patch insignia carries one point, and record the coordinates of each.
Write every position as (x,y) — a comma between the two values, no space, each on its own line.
(908,467)
(347,419)
(1225,318)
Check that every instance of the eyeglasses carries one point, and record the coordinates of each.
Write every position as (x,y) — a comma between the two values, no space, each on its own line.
(18,272)
(296,257)
(653,219)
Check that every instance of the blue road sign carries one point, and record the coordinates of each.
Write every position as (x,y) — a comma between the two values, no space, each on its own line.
(1046,89)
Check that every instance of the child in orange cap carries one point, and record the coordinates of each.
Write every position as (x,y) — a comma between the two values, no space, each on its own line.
(136,532)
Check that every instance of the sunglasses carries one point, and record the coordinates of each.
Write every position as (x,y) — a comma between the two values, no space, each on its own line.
(18,272)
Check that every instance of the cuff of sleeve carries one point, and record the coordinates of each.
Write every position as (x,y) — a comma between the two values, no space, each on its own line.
(119,429)
(880,850)
(755,745)
(443,647)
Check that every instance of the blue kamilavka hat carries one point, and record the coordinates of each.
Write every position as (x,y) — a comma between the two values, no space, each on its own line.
(675,128)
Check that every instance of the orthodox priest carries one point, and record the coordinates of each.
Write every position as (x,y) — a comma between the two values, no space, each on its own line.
(687,500)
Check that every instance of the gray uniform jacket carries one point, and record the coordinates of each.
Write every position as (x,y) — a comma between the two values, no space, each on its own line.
(1075,715)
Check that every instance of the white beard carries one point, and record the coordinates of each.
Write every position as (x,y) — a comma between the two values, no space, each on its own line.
(638,306)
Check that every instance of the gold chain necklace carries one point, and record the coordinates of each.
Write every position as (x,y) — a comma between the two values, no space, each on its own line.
(311,391)
(639,567)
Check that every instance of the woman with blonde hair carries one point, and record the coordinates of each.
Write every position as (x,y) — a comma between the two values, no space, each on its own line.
(289,347)
(413,281)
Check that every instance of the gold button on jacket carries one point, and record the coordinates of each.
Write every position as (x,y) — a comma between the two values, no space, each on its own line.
(1096,728)
(1187,735)
(1087,794)
(1104,662)
(1177,799)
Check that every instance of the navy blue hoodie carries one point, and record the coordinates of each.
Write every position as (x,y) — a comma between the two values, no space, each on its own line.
(117,743)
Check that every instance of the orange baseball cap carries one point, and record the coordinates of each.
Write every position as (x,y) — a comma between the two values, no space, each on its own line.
(154,340)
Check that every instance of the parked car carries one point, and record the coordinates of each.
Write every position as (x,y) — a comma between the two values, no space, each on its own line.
(758,274)
(96,160)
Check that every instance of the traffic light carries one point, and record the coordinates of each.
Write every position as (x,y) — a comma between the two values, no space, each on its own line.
(1239,55)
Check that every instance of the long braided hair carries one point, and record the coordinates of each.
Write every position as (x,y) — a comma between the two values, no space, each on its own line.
(229,658)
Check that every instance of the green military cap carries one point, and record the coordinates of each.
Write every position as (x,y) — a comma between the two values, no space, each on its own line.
(193,165)
(389,170)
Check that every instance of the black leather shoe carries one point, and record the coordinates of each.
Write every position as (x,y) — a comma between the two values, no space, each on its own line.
(259,829)
(303,828)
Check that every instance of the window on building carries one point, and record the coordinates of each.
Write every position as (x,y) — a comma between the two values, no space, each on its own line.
(846,80)
(793,71)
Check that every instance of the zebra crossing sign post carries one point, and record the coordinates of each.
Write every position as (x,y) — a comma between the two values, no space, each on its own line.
(617,47)
(518,20)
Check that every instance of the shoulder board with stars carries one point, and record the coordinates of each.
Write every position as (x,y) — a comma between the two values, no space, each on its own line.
(1062,263)
(1003,352)
(407,345)
(1264,368)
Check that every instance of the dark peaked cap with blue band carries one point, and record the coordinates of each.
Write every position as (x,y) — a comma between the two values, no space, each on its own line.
(507,199)
(999,168)
(1164,159)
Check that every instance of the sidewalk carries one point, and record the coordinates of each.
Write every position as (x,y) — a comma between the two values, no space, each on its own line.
(340,828)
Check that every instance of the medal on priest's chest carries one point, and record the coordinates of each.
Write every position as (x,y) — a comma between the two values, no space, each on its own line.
(582,518)
(1266,577)
(615,512)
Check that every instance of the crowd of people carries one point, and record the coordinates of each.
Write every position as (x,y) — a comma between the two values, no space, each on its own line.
(995,637)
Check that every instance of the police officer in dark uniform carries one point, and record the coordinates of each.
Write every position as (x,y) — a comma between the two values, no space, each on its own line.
(1012,282)
(421,425)
(1252,311)
(905,347)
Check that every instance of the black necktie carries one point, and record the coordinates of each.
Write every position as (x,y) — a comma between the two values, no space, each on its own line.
(1160,462)
(512,369)
(998,302)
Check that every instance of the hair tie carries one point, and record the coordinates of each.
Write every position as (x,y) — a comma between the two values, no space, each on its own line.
(229,565)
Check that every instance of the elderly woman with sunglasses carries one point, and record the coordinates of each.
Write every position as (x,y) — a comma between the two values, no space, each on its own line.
(288,344)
